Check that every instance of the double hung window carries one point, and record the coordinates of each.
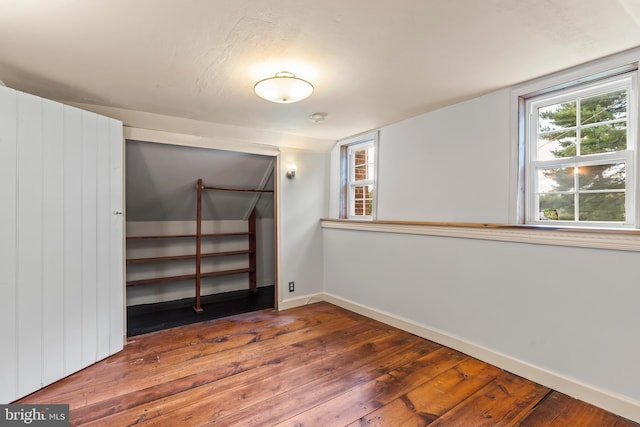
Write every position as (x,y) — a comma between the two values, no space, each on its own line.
(580,154)
(359,178)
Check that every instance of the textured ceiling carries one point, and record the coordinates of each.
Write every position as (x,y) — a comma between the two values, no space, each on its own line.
(373,62)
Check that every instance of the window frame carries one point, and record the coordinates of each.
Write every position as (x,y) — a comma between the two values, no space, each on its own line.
(624,77)
(347,175)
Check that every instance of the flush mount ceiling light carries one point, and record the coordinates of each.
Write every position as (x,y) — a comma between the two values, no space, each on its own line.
(283,88)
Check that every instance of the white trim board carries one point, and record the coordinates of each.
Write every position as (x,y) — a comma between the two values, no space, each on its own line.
(522,234)
(606,400)
(300,301)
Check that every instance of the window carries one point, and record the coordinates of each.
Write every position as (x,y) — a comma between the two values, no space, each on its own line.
(358,178)
(580,144)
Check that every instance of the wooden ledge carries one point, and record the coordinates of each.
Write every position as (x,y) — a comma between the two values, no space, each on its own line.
(625,240)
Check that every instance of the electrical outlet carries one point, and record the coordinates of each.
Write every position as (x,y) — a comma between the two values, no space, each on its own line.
(292,286)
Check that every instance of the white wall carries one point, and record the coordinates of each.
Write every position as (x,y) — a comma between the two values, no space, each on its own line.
(304,201)
(146,294)
(570,312)
(266,248)
(449,165)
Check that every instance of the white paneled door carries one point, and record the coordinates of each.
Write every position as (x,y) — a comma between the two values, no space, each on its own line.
(61,241)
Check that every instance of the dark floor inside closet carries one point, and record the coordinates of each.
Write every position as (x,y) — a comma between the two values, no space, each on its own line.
(142,319)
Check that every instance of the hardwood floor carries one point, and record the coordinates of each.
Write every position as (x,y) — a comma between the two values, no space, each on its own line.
(317,365)
(142,319)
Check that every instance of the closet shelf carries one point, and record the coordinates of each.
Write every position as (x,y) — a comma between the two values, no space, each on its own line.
(198,275)
(186,257)
(179,236)
(188,277)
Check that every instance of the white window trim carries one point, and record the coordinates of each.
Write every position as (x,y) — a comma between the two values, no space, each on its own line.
(604,67)
(345,179)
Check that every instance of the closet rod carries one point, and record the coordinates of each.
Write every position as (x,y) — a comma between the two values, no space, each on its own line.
(206,187)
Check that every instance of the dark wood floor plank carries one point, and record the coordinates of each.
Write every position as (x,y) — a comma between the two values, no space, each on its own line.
(146,318)
(274,398)
(559,410)
(145,370)
(396,414)
(358,401)
(504,401)
(149,349)
(435,397)
(165,398)
(260,325)
(312,365)
(263,325)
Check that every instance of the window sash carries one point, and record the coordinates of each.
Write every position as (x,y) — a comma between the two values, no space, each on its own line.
(354,182)
(628,156)
(356,200)
(351,181)
(576,191)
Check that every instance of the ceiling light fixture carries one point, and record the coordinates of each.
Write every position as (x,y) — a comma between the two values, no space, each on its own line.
(283,88)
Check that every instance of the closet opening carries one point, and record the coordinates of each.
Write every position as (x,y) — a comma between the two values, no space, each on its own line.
(200,234)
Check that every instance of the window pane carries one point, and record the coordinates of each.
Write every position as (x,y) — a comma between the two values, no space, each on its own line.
(602,207)
(557,179)
(603,138)
(360,165)
(556,145)
(557,207)
(358,206)
(604,107)
(363,164)
(363,173)
(557,116)
(360,173)
(602,177)
(363,200)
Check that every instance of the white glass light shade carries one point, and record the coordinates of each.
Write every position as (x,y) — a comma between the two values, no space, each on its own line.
(291,172)
(283,88)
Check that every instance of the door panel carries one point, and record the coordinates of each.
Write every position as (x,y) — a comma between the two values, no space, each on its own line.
(72,284)
(60,244)
(53,233)
(8,243)
(30,245)
(89,241)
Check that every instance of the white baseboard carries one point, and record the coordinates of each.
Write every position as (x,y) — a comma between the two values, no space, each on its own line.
(607,400)
(288,303)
